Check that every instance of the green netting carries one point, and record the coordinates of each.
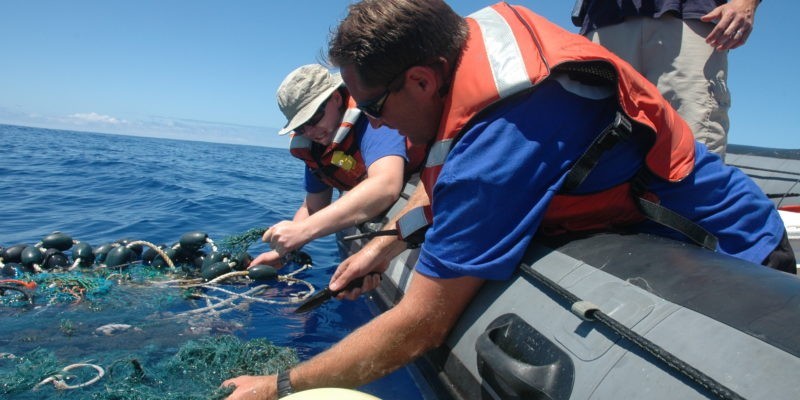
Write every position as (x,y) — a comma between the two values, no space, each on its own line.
(93,284)
(132,324)
(79,286)
(241,242)
(195,371)
(27,372)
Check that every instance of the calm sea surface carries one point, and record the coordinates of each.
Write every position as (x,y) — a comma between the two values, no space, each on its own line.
(100,188)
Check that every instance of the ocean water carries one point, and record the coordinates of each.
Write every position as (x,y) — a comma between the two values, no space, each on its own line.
(100,188)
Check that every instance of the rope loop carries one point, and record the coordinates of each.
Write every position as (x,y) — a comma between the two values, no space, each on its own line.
(58,379)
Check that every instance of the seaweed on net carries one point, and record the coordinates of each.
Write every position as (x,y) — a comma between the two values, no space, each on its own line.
(69,287)
(54,288)
(239,243)
(195,371)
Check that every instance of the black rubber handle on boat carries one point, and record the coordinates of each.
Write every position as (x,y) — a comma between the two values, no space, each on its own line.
(518,362)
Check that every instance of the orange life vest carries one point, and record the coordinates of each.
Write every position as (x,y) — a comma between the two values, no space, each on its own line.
(510,50)
(340,164)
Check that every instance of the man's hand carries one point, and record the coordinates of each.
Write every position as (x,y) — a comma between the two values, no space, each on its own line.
(286,236)
(375,255)
(368,259)
(734,24)
(271,258)
(253,387)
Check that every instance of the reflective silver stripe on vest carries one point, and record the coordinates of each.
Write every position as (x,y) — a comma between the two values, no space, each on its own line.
(438,153)
(505,61)
(505,57)
(350,118)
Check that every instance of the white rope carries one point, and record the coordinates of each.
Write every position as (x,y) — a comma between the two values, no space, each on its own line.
(230,300)
(297,271)
(58,379)
(75,264)
(211,242)
(156,249)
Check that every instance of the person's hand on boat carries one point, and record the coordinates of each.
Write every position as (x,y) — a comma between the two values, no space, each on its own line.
(271,258)
(252,387)
(286,236)
(734,24)
(360,264)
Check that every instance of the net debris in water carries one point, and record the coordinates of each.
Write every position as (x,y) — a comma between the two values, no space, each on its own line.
(118,321)
(195,371)
(43,272)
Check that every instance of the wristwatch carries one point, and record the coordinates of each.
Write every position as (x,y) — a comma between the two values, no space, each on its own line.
(284,384)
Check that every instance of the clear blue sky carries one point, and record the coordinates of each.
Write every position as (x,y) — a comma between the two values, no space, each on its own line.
(208,70)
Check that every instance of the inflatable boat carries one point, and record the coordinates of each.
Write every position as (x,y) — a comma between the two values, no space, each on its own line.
(614,316)
(777,173)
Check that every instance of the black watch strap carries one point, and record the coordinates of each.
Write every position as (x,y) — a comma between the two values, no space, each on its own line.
(284,384)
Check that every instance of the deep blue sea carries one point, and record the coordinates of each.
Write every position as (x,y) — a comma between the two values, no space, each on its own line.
(100,188)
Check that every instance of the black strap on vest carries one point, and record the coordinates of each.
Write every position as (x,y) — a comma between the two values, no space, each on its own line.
(621,130)
(669,218)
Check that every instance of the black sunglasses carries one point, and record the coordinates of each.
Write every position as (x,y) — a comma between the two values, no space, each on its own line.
(318,115)
(372,108)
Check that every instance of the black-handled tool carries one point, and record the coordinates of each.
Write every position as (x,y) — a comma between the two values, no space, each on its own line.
(370,235)
(326,294)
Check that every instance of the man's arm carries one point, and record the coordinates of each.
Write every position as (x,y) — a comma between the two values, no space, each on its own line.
(371,196)
(420,322)
(375,255)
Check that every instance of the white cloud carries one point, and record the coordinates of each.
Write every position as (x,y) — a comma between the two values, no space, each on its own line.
(152,126)
(94,117)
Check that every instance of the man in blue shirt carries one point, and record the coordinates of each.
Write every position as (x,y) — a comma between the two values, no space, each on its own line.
(515,143)
(507,120)
(341,151)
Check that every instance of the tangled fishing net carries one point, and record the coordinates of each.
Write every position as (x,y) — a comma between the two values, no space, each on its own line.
(194,372)
(134,308)
(43,272)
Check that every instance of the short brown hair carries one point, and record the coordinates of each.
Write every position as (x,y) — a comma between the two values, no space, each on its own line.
(380,38)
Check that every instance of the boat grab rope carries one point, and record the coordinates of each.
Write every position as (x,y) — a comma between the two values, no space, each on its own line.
(591,312)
